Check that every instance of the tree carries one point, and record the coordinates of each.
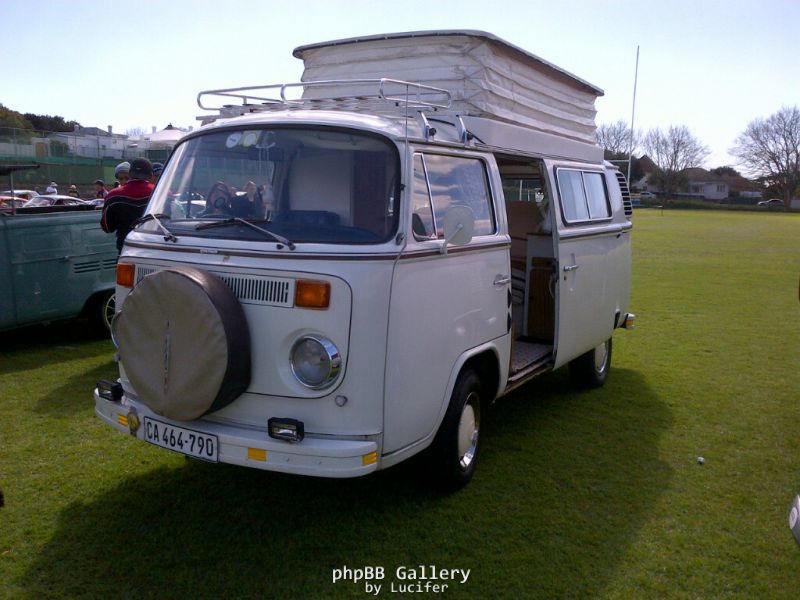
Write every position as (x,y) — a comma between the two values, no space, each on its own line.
(616,138)
(770,150)
(48,123)
(727,171)
(12,119)
(672,151)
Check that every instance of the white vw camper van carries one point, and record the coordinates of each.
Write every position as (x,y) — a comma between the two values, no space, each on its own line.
(335,275)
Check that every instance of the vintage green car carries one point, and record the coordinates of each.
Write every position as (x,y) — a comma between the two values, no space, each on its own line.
(55,263)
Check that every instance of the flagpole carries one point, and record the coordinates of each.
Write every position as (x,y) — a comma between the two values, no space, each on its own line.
(633,113)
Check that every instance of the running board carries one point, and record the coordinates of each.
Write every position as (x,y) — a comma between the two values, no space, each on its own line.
(529,360)
(521,377)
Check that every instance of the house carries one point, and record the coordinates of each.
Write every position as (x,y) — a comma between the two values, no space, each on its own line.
(705,184)
(90,142)
(741,187)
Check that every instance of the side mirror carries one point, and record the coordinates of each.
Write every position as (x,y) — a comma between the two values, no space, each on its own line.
(459,225)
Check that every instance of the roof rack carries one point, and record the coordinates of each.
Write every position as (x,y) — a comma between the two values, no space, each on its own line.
(374,94)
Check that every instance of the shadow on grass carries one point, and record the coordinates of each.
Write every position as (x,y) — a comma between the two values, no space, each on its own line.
(564,486)
(42,345)
(75,393)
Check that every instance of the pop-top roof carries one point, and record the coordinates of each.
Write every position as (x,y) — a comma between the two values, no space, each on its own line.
(487,76)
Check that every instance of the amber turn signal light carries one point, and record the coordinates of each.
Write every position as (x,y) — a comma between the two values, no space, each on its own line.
(311,294)
(125,272)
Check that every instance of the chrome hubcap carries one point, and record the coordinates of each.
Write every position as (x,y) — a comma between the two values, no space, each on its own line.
(109,308)
(601,357)
(468,430)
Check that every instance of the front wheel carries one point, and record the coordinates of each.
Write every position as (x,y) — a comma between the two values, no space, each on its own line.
(590,370)
(455,449)
(101,312)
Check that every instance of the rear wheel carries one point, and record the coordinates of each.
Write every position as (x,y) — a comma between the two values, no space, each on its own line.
(590,370)
(455,449)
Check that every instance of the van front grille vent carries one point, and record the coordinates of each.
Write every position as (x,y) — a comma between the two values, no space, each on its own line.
(626,194)
(248,289)
(270,291)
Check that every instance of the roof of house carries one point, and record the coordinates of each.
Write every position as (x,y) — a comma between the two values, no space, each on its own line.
(699,175)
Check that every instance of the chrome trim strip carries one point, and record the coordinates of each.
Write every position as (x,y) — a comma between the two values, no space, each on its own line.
(318,256)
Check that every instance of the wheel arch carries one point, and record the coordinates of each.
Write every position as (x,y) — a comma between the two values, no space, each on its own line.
(485,360)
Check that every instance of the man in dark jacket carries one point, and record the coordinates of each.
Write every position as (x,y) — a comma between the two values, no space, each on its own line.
(125,204)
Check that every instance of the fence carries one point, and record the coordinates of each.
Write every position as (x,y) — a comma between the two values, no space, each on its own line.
(69,158)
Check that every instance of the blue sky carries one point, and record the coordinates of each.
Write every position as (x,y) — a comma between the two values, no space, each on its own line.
(710,65)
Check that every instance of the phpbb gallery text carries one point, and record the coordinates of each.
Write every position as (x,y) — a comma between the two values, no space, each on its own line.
(403,579)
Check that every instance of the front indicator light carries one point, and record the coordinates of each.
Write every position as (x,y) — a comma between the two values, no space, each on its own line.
(125,273)
(312,294)
(315,361)
(369,459)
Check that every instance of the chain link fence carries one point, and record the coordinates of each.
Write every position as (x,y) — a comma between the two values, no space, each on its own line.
(70,158)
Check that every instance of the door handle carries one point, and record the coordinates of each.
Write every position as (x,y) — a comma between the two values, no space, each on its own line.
(568,268)
(501,280)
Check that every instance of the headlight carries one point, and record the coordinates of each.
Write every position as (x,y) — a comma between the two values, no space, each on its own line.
(315,361)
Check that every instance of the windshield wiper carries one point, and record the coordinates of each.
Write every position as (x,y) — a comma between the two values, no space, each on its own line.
(282,241)
(168,235)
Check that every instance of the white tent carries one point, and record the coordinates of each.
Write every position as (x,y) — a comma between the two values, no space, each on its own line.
(487,76)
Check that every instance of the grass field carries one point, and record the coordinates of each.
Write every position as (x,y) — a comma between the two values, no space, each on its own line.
(578,494)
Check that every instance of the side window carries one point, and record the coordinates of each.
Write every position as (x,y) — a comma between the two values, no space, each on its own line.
(421,213)
(460,181)
(573,202)
(583,196)
(596,196)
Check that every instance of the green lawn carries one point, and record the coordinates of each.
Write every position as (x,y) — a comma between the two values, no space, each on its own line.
(578,494)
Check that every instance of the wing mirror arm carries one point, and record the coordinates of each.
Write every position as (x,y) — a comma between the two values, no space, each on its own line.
(459,225)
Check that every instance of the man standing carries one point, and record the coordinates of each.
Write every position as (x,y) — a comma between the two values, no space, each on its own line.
(122,172)
(125,204)
(100,190)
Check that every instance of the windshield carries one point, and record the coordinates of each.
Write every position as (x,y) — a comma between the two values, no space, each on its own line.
(306,185)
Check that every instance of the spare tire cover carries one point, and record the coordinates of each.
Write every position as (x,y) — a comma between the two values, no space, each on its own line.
(184,343)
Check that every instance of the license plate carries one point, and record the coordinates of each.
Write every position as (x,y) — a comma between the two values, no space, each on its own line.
(178,439)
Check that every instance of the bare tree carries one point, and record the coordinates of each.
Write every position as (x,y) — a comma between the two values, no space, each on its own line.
(672,151)
(616,138)
(135,132)
(770,149)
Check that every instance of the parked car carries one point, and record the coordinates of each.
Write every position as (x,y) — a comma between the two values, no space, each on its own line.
(54,200)
(776,202)
(25,194)
(6,202)
(62,265)
(646,195)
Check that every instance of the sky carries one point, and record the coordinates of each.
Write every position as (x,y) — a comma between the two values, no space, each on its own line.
(712,66)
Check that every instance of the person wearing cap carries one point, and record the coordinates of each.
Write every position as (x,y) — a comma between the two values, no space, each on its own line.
(125,204)
(100,190)
(158,168)
(122,172)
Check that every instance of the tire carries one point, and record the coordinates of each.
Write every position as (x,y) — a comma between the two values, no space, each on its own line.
(107,310)
(454,452)
(100,312)
(184,343)
(590,370)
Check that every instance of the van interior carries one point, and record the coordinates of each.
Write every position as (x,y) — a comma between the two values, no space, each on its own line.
(533,263)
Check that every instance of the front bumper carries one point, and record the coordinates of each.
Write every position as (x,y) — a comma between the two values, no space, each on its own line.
(320,457)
